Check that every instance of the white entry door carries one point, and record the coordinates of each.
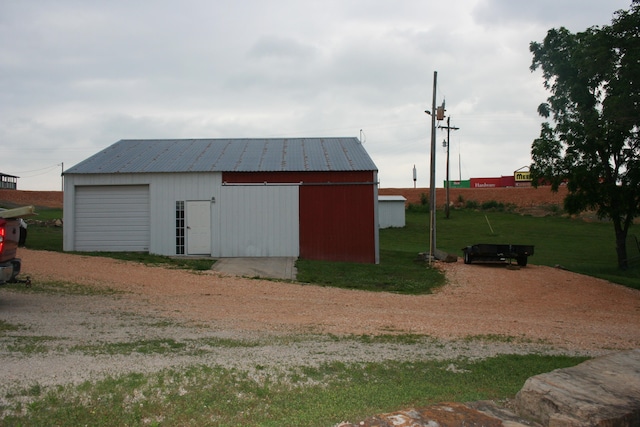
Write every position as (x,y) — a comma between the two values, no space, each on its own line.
(198,225)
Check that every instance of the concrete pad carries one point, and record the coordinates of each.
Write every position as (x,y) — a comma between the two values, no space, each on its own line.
(264,267)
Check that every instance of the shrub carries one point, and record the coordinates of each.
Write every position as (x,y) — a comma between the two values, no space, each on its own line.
(472,204)
(412,207)
(492,205)
(554,209)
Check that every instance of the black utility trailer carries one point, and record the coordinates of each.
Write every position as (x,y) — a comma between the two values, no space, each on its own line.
(491,252)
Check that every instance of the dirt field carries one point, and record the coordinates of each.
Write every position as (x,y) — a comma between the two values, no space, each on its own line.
(50,199)
(535,303)
(524,197)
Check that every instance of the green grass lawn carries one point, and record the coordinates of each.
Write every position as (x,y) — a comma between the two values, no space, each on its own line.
(577,245)
(291,396)
(398,272)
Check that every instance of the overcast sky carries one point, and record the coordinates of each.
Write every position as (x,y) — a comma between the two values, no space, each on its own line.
(77,76)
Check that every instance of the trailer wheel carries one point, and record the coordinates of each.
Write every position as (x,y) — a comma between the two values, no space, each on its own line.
(467,258)
(522,261)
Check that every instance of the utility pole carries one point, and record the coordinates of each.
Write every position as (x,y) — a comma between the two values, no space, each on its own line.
(432,178)
(449,128)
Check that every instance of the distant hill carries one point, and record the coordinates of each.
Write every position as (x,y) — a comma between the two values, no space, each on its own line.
(15,198)
(521,197)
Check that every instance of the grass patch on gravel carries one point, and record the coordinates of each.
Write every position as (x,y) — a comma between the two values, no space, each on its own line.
(7,327)
(29,345)
(161,346)
(147,347)
(216,342)
(62,288)
(300,396)
(403,339)
(509,339)
(196,264)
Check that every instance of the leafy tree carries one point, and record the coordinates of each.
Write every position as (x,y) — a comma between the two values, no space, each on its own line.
(592,143)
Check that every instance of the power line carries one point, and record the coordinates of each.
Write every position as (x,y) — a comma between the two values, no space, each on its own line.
(41,169)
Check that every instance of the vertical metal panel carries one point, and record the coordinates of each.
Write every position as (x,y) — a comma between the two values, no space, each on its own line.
(112,218)
(337,223)
(338,212)
(258,221)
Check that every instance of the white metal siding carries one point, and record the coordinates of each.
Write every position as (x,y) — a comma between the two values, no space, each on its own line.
(391,211)
(258,221)
(111,218)
(164,190)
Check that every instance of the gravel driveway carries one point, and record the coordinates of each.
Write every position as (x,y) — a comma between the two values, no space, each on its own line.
(59,333)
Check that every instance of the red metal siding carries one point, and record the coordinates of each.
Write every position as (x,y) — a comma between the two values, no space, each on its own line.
(337,223)
(337,212)
(295,177)
(507,181)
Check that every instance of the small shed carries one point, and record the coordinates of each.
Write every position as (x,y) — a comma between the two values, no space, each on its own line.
(391,211)
(314,198)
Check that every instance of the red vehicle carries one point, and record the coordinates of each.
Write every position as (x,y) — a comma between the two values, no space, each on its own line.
(9,236)
(10,265)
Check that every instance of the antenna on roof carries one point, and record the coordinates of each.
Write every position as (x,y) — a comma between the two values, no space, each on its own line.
(362,141)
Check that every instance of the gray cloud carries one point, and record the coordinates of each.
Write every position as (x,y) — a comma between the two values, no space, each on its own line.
(78,76)
(575,15)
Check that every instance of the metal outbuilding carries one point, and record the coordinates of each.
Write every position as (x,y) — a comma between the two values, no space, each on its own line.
(315,198)
(391,211)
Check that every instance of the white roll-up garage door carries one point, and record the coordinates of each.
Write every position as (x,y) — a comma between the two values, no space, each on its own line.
(112,218)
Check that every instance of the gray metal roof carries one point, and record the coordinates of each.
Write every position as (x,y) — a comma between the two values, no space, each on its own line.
(228,155)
